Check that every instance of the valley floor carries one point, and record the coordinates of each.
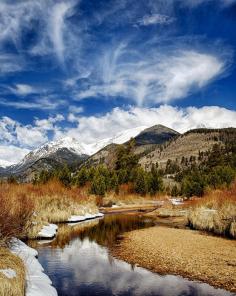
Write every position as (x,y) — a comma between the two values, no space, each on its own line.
(182,252)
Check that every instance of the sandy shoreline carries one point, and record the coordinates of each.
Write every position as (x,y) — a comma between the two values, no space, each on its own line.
(182,252)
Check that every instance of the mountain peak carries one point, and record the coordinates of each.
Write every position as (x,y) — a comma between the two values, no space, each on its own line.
(156,134)
(160,128)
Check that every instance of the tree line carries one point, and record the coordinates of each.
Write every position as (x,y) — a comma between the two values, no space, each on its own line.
(193,175)
(101,179)
(217,168)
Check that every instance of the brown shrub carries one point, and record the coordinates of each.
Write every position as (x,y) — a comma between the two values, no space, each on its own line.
(14,215)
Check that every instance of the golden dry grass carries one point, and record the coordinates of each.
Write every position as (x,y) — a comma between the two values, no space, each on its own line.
(16,211)
(215,212)
(48,203)
(16,285)
(126,196)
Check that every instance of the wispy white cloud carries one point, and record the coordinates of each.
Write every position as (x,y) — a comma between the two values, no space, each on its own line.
(136,70)
(57,29)
(154,19)
(7,126)
(27,136)
(76,109)
(154,77)
(42,103)
(48,123)
(23,89)
(10,63)
(50,17)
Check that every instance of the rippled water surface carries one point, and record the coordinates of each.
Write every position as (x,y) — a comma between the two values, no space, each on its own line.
(79,264)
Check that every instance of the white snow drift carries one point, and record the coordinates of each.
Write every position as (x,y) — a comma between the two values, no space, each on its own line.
(48,231)
(37,282)
(74,218)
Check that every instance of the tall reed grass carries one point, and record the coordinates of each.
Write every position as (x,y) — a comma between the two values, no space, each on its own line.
(215,212)
(15,212)
(25,208)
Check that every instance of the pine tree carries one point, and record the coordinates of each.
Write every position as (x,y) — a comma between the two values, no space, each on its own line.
(123,176)
(141,182)
(64,176)
(82,177)
(98,186)
(155,181)
(114,185)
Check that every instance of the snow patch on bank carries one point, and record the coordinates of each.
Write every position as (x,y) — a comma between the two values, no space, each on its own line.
(176,201)
(74,218)
(37,282)
(48,231)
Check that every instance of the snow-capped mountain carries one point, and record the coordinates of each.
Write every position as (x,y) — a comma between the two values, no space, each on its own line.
(51,147)
(80,148)
(65,150)
(119,138)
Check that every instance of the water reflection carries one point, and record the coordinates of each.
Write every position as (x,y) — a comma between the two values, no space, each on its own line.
(79,264)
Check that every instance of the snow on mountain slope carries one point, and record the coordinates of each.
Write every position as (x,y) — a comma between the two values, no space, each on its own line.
(74,146)
(119,138)
(5,163)
(51,147)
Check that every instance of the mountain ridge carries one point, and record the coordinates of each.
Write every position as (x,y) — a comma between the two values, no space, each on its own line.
(153,145)
(66,150)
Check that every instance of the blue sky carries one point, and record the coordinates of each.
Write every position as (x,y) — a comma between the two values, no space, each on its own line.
(92,68)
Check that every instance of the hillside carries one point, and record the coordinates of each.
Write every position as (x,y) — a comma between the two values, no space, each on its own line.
(187,146)
(148,140)
(106,156)
(185,165)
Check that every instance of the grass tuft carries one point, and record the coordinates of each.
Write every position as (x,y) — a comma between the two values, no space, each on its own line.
(16,285)
(216,212)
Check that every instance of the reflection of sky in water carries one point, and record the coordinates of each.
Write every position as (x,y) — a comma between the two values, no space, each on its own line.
(85,268)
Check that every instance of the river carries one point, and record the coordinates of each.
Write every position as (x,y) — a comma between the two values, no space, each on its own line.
(79,263)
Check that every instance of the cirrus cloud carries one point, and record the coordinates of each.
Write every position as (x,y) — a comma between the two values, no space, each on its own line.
(155,78)
(154,19)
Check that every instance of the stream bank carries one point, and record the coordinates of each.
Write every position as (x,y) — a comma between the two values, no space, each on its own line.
(184,252)
(79,262)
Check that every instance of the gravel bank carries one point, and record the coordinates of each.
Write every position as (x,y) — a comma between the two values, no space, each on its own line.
(182,252)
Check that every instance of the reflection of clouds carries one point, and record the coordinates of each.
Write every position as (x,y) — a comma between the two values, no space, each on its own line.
(86,265)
